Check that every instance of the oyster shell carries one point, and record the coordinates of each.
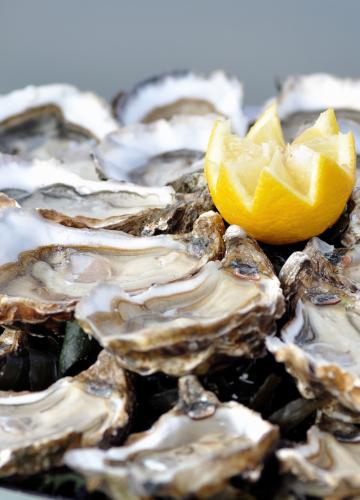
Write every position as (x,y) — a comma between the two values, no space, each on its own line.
(155,154)
(341,422)
(67,198)
(57,265)
(302,98)
(184,93)
(324,467)
(194,449)
(92,406)
(11,341)
(351,236)
(225,309)
(54,121)
(319,343)
(7,202)
(177,218)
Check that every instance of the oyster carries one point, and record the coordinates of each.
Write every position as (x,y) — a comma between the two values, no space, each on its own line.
(184,93)
(194,449)
(66,197)
(351,236)
(57,265)
(225,309)
(54,121)
(319,343)
(302,98)
(324,467)
(155,154)
(93,406)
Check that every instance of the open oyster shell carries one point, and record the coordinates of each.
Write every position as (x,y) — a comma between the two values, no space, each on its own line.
(194,449)
(54,121)
(302,98)
(225,309)
(155,154)
(36,428)
(66,197)
(57,265)
(324,467)
(184,93)
(319,345)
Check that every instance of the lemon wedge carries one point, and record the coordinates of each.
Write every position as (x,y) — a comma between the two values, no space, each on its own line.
(281,193)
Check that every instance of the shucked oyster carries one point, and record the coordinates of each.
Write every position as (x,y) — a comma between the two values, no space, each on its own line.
(66,197)
(319,345)
(323,467)
(54,121)
(194,449)
(226,309)
(36,428)
(155,154)
(45,268)
(302,98)
(182,93)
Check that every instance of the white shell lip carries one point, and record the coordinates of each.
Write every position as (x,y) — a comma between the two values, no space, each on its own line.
(225,93)
(82,109)
(316,92)
(30,231)
(134,145)
(30,175)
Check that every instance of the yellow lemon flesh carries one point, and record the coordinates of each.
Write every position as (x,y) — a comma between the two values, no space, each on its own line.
(281,193)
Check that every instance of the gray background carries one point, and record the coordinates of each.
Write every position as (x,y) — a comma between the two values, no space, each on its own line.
(106,45)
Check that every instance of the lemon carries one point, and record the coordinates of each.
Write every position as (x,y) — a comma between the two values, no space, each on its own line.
(281,193)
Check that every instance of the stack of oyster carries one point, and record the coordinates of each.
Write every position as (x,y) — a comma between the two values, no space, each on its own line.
(145,345)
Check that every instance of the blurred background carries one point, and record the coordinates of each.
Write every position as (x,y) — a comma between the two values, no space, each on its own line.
(109,45)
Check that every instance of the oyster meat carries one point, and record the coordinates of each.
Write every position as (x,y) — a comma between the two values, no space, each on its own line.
(225,309)
(66,197)
(54,121)
(323,466)
(45,268)
(155,154)
(184,93)
(36,428)
(319,345)
(302,98)
(194,449)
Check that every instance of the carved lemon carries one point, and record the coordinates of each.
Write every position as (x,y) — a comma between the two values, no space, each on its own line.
(281,193)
